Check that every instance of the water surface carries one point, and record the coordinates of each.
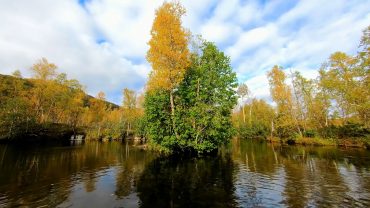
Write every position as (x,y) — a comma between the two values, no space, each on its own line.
(243,174)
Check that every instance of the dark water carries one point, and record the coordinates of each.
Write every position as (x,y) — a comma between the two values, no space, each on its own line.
(244,174)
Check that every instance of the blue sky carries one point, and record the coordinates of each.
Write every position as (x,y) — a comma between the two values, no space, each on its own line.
(102,43)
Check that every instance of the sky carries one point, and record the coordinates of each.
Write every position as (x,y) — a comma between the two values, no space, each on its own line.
(103,43)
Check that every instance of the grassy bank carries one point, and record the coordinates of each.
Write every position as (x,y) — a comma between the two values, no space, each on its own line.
(316,141)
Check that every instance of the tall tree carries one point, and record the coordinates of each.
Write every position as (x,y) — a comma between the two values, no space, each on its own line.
(344,79)
(168,53)
(17,74)
(129,99)
(207,96)
(302,89)
(364,54)
(44,70)
(282,95)
(43,96)
(243,91)
(97,112)
(364,58)
(129,108)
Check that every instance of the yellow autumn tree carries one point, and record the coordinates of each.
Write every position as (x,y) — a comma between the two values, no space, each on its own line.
(43,94)
(129,108)
(44,70)
(97,113)
(280,91)
(168,51)
(282,95)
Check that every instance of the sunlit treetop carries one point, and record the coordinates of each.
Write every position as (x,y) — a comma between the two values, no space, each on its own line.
(100,95)
(44,70)
(168,53)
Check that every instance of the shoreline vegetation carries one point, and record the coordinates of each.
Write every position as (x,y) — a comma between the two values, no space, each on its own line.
(306,141)
(332,109)
(190,102)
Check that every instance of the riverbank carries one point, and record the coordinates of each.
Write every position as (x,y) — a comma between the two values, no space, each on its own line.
(316,141)
(42,133)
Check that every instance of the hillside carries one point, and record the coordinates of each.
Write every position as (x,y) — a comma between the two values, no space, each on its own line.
(7,80)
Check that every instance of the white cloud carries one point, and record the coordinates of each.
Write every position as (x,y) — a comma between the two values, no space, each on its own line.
(251,39)
(66,34)
(300,39)
(126,24)
(258,86)
(219,32)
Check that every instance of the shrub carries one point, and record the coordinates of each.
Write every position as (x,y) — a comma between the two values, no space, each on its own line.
(286,132)
(310,133)
(255,131)
(349,130)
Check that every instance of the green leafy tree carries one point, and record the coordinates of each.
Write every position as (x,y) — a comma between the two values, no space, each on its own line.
(207,97)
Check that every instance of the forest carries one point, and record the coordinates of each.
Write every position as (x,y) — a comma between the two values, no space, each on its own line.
(49,105)
(332,109)
(192,101)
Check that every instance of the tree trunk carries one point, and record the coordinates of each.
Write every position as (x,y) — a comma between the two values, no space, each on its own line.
(297,125)
(198,89)
(10,130)
(173,115)
(250,115)
(272,128)
(27,120)
(194,124)
(296,122)
(99,132)
(243,114)
(297,118)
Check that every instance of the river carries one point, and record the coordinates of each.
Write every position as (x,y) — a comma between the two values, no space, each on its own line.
(243,174)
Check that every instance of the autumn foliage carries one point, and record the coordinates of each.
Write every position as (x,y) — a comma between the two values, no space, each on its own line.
(168,51)
(51,105)
(335,105)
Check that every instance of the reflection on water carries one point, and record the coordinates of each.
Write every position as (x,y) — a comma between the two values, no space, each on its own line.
(197,182)
(244,174)
(95,174)
(301,176)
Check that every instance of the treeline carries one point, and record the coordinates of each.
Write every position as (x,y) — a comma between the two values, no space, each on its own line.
(335,105)
(51,105)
